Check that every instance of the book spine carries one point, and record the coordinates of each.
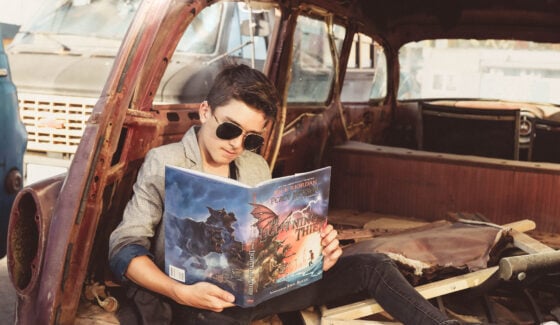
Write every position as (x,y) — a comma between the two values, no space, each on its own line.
(251,280)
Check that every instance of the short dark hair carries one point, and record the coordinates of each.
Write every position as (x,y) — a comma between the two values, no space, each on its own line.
(251,86)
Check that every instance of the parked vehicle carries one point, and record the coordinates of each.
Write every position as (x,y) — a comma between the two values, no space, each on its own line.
(351,98)
(71,39)
(12,147)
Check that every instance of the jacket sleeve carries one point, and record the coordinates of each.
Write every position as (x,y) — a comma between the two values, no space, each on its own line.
(141,217)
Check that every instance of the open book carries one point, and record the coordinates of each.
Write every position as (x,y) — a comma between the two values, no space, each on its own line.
(255,242)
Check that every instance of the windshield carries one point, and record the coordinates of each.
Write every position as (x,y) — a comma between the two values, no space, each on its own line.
(66,21)
(202,34)
(312,61)
(489,69)
(99,18)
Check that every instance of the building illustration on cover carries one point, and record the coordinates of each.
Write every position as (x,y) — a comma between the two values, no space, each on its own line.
(255,242)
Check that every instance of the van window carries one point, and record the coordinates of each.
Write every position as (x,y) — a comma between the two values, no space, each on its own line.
(240,40)
(99,18)
(61,21)
(379,87)
(312,65)
(204,30)
(366,71)
(222,36)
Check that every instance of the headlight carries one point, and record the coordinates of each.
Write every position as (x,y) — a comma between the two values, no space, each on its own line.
(13,182)
(525,126)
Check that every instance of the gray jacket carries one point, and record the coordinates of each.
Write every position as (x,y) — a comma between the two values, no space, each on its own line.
(141,227)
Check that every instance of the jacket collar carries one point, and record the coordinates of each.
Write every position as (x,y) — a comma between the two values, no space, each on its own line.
(192,150)
(192,154)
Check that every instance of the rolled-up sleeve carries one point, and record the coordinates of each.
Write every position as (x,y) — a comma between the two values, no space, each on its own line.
(120,261)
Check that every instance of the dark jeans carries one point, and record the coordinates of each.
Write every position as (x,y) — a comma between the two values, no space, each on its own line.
(374,275)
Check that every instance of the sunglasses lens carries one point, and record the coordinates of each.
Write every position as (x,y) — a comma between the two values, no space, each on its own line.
(253,141)
(228,131)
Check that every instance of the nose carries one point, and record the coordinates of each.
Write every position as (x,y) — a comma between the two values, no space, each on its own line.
(237,142)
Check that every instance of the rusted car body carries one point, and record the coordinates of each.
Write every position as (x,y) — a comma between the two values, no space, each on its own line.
(59,229)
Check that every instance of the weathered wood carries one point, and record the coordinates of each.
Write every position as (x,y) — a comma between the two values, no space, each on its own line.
(354,322)
(310,317)
(390,224)
(345,234)
(528,244)
(357,218)
(521,226)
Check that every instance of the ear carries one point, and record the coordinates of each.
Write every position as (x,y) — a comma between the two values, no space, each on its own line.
(204,112)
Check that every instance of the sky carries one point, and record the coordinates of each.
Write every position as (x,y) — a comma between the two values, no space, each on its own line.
(18,12)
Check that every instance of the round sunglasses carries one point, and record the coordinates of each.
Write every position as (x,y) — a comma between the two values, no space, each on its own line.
(228,131)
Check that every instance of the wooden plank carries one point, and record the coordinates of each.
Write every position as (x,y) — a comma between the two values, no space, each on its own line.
(521,225)
(351,217)
(310,317)
(371,220)
(345,234)
(528,244)
(393,224)
(354,322)
(523,241)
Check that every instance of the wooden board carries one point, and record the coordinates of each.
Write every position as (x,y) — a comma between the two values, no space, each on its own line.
(391,224)
(360,219)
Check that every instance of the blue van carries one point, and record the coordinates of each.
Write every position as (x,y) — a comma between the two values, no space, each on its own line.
(13,141)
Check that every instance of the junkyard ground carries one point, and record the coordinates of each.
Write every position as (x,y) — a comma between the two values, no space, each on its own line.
(7,295)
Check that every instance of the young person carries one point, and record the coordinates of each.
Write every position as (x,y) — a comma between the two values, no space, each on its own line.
(240,105)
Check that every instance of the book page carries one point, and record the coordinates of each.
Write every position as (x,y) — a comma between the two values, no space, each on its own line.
(290,213)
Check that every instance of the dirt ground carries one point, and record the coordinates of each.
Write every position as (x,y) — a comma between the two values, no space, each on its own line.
(7,295)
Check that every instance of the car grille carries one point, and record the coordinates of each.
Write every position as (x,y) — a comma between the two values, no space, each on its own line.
(54,123)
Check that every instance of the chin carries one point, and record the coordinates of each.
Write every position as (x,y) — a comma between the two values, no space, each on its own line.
(227,158)
(224,160)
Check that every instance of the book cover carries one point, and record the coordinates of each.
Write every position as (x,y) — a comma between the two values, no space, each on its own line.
(255,242)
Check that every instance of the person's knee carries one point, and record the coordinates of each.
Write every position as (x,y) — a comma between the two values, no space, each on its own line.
(373,259)
(375,262)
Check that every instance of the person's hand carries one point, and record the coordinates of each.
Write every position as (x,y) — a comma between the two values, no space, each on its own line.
(204,295)
(331,248)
